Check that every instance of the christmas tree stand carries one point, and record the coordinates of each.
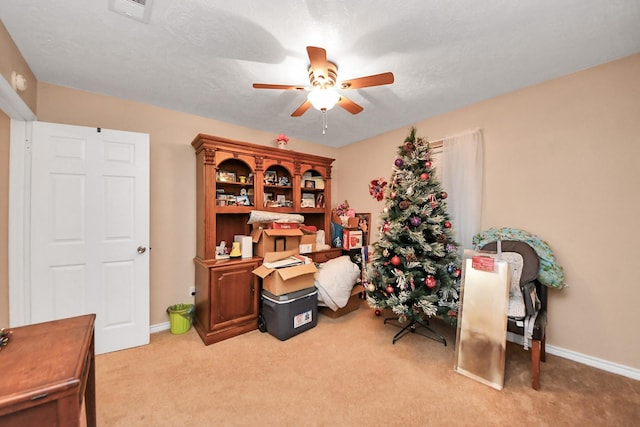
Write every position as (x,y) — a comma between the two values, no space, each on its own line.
(412,327)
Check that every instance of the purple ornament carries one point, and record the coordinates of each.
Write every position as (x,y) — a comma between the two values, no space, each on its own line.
(399,163)
(415,221)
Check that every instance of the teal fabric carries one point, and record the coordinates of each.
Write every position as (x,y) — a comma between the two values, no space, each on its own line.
(551,273)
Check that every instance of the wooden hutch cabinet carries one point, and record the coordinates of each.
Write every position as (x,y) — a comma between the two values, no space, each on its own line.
(232,179)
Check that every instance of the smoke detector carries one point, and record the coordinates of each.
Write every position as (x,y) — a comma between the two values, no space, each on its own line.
(140,10)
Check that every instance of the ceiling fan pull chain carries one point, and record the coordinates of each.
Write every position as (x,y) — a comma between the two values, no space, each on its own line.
(324,121)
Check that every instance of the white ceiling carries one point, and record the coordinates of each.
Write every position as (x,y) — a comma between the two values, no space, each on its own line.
(202,56)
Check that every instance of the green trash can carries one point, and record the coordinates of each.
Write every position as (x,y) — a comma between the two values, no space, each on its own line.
(180,317)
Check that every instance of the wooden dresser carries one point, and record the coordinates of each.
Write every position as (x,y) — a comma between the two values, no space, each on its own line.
(47,372)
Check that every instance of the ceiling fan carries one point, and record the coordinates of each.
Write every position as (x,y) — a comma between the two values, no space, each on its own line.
(323,76)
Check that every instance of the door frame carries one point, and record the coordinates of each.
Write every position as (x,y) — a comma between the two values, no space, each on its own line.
(19,228)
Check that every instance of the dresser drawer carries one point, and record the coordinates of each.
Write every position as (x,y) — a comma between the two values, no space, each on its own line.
(324,256)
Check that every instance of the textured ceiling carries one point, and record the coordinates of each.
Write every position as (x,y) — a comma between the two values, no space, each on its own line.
(202,56)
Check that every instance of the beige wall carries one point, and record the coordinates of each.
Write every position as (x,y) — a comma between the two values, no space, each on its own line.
(172,161)
(561,162)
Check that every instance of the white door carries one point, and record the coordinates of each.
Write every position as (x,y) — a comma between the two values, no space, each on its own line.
(89,230)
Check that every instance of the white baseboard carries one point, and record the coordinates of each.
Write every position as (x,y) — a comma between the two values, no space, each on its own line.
(159,327)
(605,365)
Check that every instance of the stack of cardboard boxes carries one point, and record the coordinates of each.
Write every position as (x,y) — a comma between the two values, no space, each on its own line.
(289,299)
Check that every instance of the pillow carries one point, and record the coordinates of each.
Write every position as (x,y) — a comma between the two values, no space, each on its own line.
(334,280)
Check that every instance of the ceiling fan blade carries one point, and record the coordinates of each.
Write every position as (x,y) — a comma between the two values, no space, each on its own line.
(301,109)
(375,80)
(349,105)
(318,60)
(282,87)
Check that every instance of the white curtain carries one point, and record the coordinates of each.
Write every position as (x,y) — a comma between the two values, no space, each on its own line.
(461,172)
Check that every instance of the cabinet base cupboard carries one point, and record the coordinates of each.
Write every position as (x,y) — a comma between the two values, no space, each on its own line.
(232,179)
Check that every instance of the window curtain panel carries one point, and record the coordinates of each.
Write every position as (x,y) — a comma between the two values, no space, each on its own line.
(461,172)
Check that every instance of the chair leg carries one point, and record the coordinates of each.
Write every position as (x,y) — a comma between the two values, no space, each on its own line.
(536,347)
(543,352)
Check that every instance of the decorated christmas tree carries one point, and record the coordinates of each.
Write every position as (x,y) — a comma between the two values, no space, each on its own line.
(415,268)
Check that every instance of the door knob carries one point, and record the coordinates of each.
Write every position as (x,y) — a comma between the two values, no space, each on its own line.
(141,249)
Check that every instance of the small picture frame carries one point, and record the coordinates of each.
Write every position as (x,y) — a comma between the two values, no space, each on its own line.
(309,183)
(226,176)
(243,201)
(364,224)
(281,199)
(270,178)
(320,200)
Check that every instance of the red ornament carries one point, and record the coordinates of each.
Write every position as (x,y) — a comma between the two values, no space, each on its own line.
(430,281)
(428,164)
(424,176)
(396,261)
(447,224)
(457,272)
(386,227)
(443,195)
(389,289)
(378,312)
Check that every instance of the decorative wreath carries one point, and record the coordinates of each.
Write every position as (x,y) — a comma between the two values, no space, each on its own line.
(550,273)
(376,188)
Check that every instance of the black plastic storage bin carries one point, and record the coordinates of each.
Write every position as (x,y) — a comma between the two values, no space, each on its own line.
(287,315)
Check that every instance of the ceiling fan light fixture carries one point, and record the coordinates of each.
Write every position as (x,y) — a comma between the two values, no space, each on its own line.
(323,99)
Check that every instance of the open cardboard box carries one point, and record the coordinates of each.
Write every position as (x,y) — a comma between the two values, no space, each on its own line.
(274,240)
(352,305)
(280,281)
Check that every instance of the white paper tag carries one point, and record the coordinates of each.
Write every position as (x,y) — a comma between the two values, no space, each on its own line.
(303,318)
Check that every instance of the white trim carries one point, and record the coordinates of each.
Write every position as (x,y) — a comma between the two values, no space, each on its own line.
(12,104)
(18,242)
(605,365)
(159,327)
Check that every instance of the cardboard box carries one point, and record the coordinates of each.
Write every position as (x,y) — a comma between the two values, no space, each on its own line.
(353,304)
(246,245)
(275,240)
(280,281)
(351,239)
(288,315)
(307,243)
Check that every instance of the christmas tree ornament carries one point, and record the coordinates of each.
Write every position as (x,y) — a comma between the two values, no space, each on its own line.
(443,195)
(457,272)
(415,221)
(430,281)
(424,176)
(404,204)
(395,260)
(393,195)
(389,289)
(451,248)
(385,228)
(441,238)
(377,312)
(371,287)
(408,147)
(447,224)
(450,268)
(385,209)
(409,191)
(428,164)
(399,162)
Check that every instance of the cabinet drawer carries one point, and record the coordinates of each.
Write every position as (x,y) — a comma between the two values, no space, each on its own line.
(324,256)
